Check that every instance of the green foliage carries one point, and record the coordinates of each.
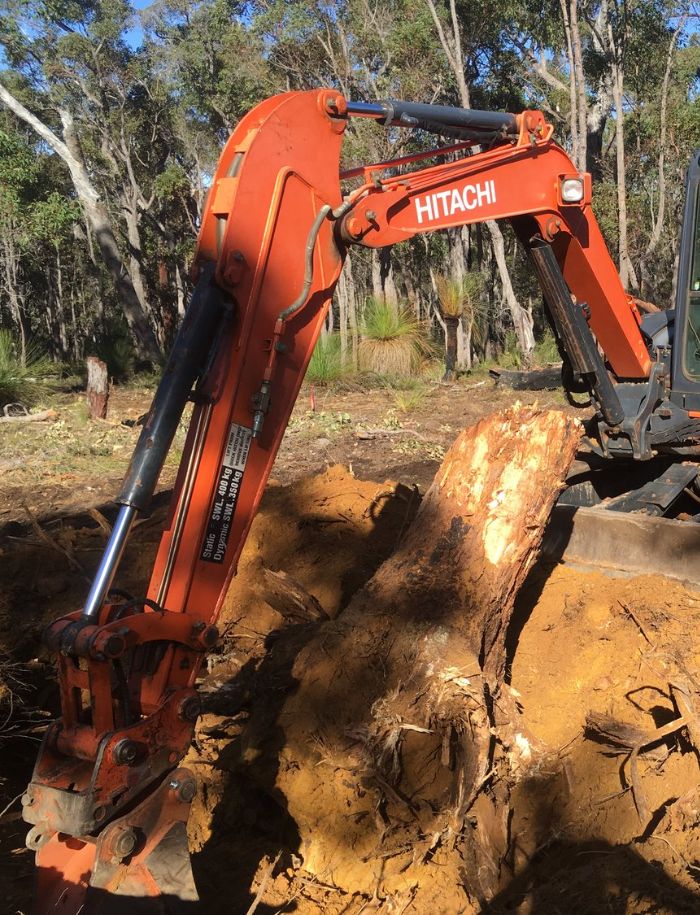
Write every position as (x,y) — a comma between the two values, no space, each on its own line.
(25,382)
(545,350)
(459,298)
(116,349)
(151,108)
(408,400)
(511,357)
(52,219)
(327,364)
(393,342)
(18,163)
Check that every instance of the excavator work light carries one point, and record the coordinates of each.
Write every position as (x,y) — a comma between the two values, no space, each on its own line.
(572,190)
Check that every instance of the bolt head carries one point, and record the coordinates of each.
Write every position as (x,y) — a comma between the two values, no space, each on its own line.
(125,752)
(123,842)
(354,227)
(187,791)
(209,636)
(114,646)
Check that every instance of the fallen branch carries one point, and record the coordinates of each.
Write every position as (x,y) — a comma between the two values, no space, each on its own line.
(50,542)
(43,417)
(104,524)
(368,434)
(263,884)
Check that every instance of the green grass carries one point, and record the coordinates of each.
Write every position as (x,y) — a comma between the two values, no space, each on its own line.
(545,350)
(327,364)
(406,401)
(24,382)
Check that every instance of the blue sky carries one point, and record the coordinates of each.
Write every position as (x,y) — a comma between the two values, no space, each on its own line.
(134,36)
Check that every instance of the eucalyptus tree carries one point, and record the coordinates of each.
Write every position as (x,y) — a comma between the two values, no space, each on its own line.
(89,96)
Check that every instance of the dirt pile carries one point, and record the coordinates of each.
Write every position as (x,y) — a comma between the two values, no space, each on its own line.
(586,643)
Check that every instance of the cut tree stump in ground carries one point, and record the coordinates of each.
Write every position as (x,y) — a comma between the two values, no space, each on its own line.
(403,740)
(97,388)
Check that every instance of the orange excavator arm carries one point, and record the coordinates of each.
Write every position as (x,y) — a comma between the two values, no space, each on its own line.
(107,802)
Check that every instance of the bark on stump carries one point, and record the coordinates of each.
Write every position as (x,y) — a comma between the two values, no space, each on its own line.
(403,740)
(97,388)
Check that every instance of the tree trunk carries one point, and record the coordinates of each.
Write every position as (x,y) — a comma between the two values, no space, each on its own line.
(130,210)
(627,274)
(451,325)
(97,218)
(647,269)
(522,319)
(579,80)
(97,388)
(452,47)
(402,734)
(464,344)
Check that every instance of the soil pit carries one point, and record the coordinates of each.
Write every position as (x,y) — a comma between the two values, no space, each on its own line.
(593,830)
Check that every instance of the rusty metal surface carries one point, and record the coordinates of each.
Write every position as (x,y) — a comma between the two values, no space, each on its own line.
(138,863)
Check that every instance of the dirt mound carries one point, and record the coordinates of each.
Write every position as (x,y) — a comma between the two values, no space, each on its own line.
(588,644)
(596,828)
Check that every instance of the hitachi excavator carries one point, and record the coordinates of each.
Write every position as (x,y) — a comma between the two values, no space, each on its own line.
(108,801)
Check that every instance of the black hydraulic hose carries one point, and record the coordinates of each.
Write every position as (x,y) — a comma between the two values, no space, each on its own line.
(325,211)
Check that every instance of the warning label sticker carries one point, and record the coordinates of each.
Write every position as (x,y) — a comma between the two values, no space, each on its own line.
(226,497)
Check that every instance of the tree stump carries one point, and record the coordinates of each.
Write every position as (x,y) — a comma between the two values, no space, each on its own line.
(97,388)
(403,739)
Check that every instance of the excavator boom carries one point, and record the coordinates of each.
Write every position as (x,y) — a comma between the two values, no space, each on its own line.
(107,801)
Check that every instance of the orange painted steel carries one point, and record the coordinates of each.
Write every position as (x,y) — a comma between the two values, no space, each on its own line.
(276,225)
(509,182)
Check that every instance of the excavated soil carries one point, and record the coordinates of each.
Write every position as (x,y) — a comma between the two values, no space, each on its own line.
(594,831)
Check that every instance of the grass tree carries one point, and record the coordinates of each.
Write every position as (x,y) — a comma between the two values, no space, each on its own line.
(23,379)
(458,300)
(392,341)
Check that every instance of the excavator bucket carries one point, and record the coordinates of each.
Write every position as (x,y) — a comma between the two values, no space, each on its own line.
(592,538)
(139,864)
(640,521)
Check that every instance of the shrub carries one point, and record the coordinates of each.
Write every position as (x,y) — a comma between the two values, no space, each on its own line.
(392,341)
(406,401)
(511,357)
(23,382)
(327,363)
(117,350)
(546,350)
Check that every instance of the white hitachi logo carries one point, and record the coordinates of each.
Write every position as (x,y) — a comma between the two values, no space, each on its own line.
(447,203)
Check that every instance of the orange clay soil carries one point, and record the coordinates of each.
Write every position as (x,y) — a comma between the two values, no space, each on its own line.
(584,643)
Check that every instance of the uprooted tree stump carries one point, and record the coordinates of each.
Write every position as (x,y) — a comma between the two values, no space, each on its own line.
(97,388)
(403,738)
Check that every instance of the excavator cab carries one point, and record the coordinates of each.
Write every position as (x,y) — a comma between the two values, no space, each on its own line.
(686,351)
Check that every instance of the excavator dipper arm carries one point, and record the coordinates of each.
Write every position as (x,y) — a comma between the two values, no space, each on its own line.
(107,802)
